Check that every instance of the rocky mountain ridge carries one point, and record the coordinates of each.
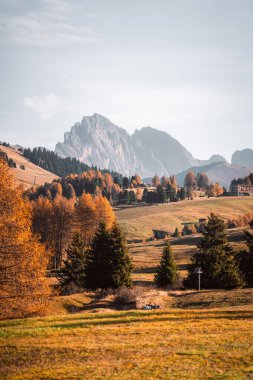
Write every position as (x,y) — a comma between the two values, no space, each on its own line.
(148,151)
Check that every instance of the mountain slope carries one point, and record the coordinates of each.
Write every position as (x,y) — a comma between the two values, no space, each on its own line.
(32,173)
(243,158)
(221,172)
(97,141)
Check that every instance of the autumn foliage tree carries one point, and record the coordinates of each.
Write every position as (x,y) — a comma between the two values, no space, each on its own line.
(215,190)
(190,183)
(56,220)
(24,289)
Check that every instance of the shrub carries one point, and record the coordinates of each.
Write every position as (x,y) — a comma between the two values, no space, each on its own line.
(128,297)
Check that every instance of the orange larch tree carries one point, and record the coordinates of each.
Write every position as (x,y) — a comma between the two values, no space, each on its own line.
(24,289)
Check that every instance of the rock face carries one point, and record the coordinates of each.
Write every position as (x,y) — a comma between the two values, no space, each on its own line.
(97,141)
(243,158)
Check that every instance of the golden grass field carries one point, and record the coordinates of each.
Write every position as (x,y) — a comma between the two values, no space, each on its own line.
(207,342)
(138,222)
(32,172)
(146,255)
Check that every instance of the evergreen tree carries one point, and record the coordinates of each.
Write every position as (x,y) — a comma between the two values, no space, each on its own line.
(70,192)
(74,270)
(176,233)
(166,273)
(122,264)
(161,194)
(246,257)
(182,194)
(220,269)
(144,195)
(171,191)
(126,183)
(109,264)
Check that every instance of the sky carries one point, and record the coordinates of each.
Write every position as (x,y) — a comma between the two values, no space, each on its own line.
(182,66)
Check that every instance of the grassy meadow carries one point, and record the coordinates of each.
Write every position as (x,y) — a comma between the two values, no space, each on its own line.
(31,173)
(146,255)
(180,344)
(138,222)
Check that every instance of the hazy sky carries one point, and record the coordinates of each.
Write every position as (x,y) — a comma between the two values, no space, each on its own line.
(183,66)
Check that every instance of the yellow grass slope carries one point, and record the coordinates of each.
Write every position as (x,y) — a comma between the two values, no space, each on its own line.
(138,222)
(166,344)
(32,173)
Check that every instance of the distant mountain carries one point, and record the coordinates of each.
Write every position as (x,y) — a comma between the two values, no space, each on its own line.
(243,158)
(213,159)
(221,172)
(97,141)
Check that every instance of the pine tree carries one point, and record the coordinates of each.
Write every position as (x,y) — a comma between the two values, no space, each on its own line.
(74,270)
(122,264)
(220,269)
(182,194)
(109,264)
(71,192)
(176,233)
(166,273)
(246,257)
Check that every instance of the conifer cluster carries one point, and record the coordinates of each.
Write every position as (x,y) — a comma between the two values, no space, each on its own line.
(215,257)
(104,264)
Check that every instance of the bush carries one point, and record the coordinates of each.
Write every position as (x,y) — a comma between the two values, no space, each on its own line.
(240,221)
(128,297)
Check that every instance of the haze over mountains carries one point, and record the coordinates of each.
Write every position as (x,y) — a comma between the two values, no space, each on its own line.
(221,172)
(97,141)
(243,158)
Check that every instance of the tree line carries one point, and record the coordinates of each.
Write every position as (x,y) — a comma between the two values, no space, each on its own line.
(248,180)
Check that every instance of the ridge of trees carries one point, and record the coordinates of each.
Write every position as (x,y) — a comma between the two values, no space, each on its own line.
(248,180)
(62,167)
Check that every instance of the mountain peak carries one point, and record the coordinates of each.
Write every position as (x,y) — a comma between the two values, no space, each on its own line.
(97,141)
(243,158)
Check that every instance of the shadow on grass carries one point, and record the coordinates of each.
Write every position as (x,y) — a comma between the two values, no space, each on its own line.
(149,318)
(145,270)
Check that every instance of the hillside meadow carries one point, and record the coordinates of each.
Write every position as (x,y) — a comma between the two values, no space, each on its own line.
(32,173)
(138,222)
(146,255)
(195,340)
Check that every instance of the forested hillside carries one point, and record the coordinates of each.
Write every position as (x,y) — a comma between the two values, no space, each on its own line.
(52,162)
